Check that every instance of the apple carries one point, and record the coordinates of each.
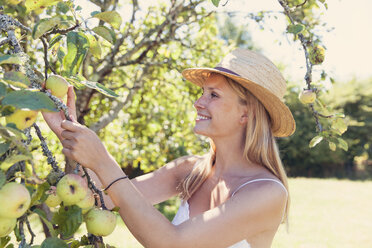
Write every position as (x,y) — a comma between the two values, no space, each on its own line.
(100,222)
(15,200)
(58,85)
(7,225)
(316,54)
(14,2)
(307,96)
(53,199)
(72,189)
(22,118)
(87,203)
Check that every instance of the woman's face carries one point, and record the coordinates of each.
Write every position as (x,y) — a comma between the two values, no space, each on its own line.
(219,112)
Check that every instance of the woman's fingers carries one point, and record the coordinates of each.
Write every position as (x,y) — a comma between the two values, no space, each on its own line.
(70,126)
(67,134)
(67,143)
(71,101)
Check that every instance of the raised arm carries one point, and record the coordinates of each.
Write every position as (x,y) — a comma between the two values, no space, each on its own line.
(159,185)
(251,211)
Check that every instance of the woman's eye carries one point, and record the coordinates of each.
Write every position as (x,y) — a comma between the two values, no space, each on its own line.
(214,94)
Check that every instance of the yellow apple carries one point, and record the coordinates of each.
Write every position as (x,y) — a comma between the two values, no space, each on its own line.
(15,200)
(100,222)
(72,189)
(7,225)
(87,203)
(22,118)
(58,85)
(307,96)
(53,200)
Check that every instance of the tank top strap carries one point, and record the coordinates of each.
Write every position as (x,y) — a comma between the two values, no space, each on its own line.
(258,180)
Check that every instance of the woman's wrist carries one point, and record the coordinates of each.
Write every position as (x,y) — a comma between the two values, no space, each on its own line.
(108,171)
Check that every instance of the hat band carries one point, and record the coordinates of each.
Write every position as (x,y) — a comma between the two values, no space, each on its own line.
(226,70)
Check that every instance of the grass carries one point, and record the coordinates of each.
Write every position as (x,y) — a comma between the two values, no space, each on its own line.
(325,213)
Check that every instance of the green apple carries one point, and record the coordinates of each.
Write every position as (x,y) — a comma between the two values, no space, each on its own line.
(72,189)
(7,225)
(53,199)
(100,222)
(14,2)
(58,85)
(15,200)
(22,118)
(316,54)
(87,203)
(307,96)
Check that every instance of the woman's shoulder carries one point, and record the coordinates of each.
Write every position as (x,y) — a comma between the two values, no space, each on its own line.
(185,164)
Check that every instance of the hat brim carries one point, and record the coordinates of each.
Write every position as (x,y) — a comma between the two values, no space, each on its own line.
(282,121)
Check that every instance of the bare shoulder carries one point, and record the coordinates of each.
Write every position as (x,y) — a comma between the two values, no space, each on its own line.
(266,198)
(184,165)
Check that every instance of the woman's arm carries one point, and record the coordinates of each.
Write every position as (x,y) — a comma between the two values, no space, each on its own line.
(165,178)
(255,208)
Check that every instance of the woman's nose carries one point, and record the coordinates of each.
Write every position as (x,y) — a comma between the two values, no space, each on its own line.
(199,103)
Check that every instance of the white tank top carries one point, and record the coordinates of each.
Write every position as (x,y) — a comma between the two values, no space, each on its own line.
(183,213)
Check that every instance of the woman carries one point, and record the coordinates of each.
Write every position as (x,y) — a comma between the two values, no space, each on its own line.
(234,196)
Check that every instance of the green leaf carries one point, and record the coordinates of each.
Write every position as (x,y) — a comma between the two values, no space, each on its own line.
(2,89)
(76,81)
(4,147)
(55,40)
(111,17)
(105,33)
(54,242)
(343,144)
(39,193)
(4,241)
(215,2)
(39,4)
(94,47)
(27,99)
(17,79)
(100,88)
(332,146)
(2,179)
(68,220)
(315,141)
(9,161)
(339,125)
(77,48)
(11,59)
(45,25)
(43,217)
(295,29)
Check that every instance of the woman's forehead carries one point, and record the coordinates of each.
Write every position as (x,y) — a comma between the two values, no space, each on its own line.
(216,81)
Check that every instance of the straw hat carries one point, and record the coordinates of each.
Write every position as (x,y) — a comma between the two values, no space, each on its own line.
(261,77)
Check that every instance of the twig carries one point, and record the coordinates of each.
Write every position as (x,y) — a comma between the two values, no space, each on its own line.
(47,65)
(61,31)
(94,188)
(22,233)
(30,231)
(50,158)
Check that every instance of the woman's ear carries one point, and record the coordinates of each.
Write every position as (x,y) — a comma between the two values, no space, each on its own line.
(244,117)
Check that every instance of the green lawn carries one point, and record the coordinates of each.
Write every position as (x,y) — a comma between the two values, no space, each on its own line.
(325,213)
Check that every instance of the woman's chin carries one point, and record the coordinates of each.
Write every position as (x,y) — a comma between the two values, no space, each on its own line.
(200,131)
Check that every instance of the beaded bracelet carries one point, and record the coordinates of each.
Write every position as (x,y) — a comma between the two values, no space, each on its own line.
(114,182)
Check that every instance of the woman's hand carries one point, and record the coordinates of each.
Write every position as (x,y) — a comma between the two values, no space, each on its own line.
(83,145)
(54,119)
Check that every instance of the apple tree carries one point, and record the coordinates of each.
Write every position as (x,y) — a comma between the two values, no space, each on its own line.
(111,65)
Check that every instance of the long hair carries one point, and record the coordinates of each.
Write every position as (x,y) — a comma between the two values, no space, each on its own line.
(259,147)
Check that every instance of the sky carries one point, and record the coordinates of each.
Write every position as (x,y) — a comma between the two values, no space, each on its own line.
(348,45)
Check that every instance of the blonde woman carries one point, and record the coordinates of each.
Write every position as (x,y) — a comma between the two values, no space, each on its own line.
(234,196)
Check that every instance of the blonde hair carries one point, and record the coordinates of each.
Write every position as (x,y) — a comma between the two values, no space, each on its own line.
(260,148)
